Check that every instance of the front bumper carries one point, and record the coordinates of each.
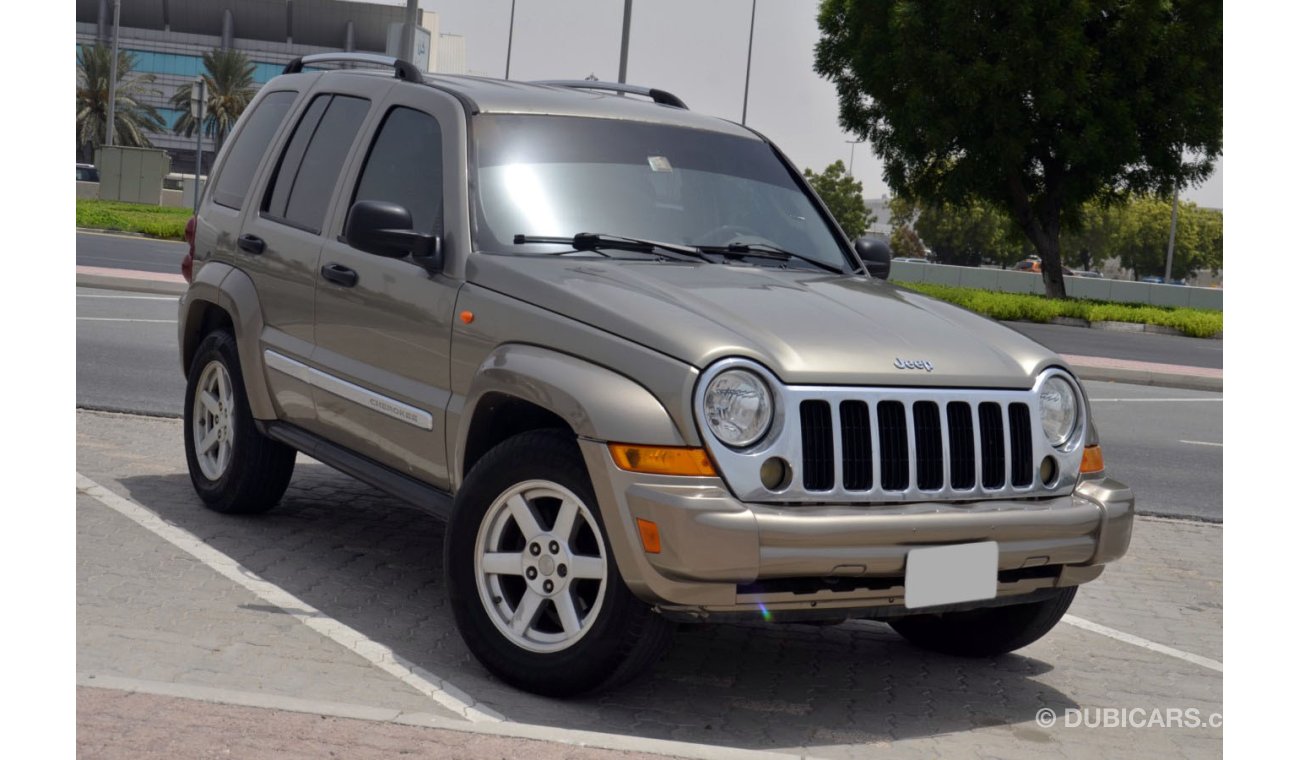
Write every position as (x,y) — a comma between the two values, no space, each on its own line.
(722,556)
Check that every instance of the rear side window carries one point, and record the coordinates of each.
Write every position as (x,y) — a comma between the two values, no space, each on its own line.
(309,167)
(248,150)
(405,167)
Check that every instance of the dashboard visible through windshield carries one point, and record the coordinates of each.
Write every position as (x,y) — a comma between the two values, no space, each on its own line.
(558,176)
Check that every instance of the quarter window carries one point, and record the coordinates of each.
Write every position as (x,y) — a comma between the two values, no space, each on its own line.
(304,181)
(405,167)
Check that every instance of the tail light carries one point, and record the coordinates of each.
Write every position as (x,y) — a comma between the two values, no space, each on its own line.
(187,263)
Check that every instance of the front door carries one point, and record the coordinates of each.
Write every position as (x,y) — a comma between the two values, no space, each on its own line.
(383,326)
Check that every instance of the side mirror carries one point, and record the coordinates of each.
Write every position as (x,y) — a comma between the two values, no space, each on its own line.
(385,229)
(876,254)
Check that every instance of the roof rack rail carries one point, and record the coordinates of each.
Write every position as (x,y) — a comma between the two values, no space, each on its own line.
(663,97)
(405,70)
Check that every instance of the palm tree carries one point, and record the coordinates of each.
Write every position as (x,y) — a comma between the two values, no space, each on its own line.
(229,83)
(132,117)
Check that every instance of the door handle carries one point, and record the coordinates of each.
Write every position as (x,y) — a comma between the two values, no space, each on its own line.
(339,275)
(251,244)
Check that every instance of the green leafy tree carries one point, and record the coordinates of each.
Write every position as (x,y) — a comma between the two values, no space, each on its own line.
(1141,238)
(1035,107)
(1092,239)
(842,194)
(132,117)
(967,235)
(228,78)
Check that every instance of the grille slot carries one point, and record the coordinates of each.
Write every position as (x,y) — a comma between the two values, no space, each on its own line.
(855,432)
(1022,446)
(992,450)
(961,446)
(892,418)
(818,445)
(929,445)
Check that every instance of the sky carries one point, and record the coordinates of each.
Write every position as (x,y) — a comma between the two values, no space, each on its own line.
(695,49)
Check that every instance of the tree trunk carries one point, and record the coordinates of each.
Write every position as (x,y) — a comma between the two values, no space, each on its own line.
(1044,233)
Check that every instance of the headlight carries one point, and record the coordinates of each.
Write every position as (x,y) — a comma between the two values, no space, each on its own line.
(738,407)
(1059,406)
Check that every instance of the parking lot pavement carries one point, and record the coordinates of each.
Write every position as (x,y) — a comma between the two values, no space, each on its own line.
(152,611)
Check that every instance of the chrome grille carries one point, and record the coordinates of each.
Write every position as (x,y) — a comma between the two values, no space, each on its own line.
(865,444)
(912,452)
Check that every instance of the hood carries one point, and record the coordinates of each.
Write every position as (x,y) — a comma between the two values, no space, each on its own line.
(807,327)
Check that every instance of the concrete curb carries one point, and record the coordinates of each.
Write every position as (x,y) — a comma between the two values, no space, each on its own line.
(127,234)
(131,280)
(1128,327)
(1146,373)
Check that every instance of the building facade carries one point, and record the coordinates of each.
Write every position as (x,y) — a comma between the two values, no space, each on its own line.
(169,37)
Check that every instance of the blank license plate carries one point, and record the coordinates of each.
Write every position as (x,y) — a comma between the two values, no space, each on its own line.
(951,574)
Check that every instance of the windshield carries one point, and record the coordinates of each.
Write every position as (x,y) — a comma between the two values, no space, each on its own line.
(560,176)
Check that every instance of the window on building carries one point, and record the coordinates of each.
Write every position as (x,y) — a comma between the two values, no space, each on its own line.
(405,166)
(247,151)
(309,167)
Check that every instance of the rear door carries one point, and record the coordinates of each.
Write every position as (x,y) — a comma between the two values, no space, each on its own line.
(383,341)
(280,241)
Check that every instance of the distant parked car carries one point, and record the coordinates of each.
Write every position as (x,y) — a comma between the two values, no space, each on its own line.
(87,173)
(1035,264)
(912,259)
(1092,275)
(1156,279)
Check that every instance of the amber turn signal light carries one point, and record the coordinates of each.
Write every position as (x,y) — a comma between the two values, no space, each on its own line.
(649,536)
(662,460)
(1092,461)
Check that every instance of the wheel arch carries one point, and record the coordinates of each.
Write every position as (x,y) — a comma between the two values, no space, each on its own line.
(520,387)
(222,296)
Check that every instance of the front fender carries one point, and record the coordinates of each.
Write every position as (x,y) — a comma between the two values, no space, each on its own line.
(597,403)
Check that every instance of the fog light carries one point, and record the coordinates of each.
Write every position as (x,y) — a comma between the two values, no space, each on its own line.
(775,474)
(1047,471)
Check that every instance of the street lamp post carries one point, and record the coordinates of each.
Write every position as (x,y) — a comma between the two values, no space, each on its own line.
(853,144)
(749,59)
(112,76)
(1173,229)
(627,32)
(510,41)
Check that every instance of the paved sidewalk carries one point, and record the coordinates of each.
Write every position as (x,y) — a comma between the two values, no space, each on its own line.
(152,612)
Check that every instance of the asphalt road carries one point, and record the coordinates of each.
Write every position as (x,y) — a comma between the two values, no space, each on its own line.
(1165,443)
(126,353)
(125,252)
(1142,347)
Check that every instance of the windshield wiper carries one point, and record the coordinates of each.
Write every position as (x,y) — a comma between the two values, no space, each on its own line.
(594,241)
(767,251)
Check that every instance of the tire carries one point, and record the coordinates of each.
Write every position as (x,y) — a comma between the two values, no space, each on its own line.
(985,632)
(248,473)
(493,566)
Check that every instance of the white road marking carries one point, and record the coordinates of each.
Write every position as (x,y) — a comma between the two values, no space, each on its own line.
(173,299)
(576,738)
(1138,641)
(1203,443)
(429,684)
(1217,398)
(120,319)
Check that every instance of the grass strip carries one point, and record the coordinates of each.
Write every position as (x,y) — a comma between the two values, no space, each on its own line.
(155,221)
(1028,307)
